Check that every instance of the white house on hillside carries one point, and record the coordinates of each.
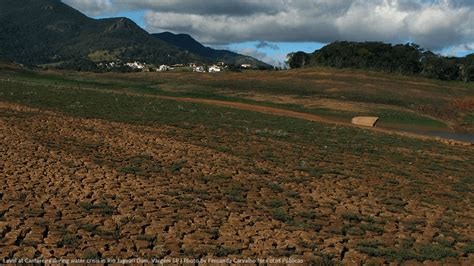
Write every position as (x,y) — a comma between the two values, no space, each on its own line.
(136,65)
(214,68)
(199,69)
(163,68)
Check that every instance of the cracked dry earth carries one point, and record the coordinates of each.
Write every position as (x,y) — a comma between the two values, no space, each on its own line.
(81,188)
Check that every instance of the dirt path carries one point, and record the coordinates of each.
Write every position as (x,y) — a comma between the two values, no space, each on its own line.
(305,116)
(266,110)
(255,108)
(238,105)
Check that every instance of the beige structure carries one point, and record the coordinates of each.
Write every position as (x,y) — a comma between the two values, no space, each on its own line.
(368,121)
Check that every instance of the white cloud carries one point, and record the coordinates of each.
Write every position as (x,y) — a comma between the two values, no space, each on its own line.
(434,24)
(255,53)
(460,49)
(93,7)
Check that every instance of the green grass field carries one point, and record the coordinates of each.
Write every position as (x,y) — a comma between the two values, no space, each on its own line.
(395,109)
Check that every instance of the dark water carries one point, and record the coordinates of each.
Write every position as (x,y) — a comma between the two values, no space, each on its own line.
(445,135)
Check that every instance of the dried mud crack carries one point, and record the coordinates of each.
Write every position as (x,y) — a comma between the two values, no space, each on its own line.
(86,188)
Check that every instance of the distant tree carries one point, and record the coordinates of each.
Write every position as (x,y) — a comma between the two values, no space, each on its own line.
(234,68)
(404,59)
(262,67)
(468,73)
(438,67)
(298,59)
(470,59)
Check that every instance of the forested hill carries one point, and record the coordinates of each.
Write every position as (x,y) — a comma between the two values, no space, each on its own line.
(38,32)
(49,32)
(188,43)
(408,59)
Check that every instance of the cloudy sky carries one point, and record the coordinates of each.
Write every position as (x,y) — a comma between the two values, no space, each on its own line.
(269,29)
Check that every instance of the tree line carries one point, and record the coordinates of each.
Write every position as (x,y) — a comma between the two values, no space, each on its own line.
(405,59)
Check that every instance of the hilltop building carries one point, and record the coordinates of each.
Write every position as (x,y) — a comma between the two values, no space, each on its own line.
(163,68)
(136,65)
(215,68)
(199,69)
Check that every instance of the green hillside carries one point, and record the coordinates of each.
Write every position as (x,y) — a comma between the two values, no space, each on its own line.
(39,32)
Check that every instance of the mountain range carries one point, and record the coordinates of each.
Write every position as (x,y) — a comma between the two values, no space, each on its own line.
(49,32)
(186,42)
